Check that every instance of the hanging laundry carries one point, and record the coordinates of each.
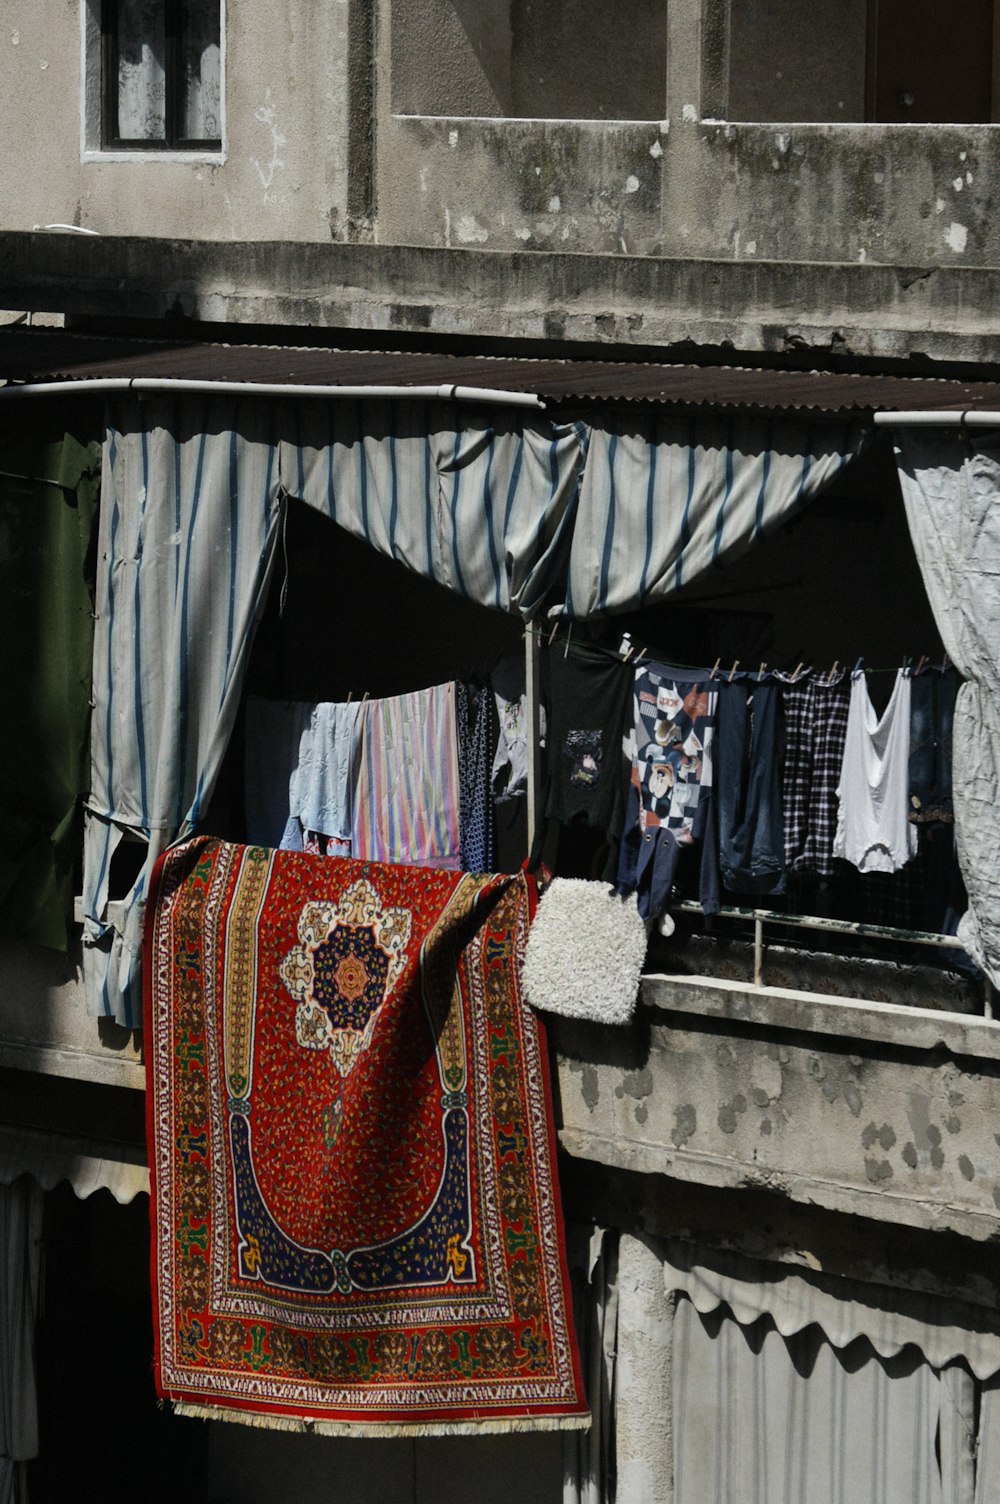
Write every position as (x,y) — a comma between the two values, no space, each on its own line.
(815,716)
(510,765)
(873,831)
(932,712)
(474,723)
(321,792)
(586,691)
(509,774)
(406,807)
(300,771)
(748,787)
(669,800)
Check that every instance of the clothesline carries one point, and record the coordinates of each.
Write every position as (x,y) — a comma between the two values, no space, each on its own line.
(720,671)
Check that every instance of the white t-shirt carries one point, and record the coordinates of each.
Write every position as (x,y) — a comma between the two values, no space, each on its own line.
(873,831)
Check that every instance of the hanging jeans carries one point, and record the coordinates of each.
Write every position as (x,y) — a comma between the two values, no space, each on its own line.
(748,788)
(932,711)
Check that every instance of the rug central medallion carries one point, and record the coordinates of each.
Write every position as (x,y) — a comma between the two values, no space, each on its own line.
(349,956)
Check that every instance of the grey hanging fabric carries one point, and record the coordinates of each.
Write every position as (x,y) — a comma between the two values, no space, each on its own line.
(951,488)
(665,498)
(188,526)
(589,1456)
(20,1258)
(759,1416)
(483,505)
(792,1383)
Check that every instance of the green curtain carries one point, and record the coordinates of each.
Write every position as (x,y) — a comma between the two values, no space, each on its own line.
(49,488)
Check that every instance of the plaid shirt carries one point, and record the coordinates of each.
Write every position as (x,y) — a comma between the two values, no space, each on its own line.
(815,726)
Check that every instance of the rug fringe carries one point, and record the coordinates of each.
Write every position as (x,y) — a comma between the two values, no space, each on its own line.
(508,1425)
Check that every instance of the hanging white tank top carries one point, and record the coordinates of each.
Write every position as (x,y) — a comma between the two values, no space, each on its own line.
(873,831)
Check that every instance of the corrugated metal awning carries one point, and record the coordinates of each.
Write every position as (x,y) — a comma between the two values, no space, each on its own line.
(39,355)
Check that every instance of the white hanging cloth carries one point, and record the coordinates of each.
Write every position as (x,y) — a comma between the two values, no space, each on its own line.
(873,831)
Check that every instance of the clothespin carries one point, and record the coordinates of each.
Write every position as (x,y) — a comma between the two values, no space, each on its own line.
(640,654)
(714,668)
(760,671)
(857,667)
(569,634)
(920,664)
(350,694)
(945,661)
(364,697)
(732,671)
(836,665)
(555,628)
(798,669)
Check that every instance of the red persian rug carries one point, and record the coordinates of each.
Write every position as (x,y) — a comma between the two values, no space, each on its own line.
(356,1223)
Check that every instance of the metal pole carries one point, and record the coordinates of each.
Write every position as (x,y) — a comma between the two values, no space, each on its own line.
(533,700)
(758,951)
(268,389)
(971,418)
(833,926)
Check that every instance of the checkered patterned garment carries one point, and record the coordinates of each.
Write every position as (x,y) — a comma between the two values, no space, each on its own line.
(815,726)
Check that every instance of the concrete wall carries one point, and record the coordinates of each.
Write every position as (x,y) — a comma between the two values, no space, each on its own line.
(322,144)
(682,184)
(45,1027)
(897,195)
(561,59)
(883,1113)
(291,83)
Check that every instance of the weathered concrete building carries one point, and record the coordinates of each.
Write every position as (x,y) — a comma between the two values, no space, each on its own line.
(783,1176)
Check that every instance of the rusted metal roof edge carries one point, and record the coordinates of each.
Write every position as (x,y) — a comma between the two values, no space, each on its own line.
(36,355)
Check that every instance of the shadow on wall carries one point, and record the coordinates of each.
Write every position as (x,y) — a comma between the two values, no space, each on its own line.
(561,60)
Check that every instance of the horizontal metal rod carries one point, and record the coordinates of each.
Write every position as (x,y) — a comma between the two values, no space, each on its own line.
(441,393)
(970,418)
(834,926)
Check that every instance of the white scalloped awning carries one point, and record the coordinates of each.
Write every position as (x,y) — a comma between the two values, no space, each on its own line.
(890,1318)
(89,1164)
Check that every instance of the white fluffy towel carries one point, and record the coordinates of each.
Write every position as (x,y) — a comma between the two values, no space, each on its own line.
(585,952)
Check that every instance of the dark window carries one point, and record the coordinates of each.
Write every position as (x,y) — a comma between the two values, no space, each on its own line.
(884,61)
(162,74)
(930,62)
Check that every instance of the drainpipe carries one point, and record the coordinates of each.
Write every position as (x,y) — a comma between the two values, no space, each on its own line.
(444,393)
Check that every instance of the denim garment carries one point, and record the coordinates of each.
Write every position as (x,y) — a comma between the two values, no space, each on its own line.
(748,792)
(932,711)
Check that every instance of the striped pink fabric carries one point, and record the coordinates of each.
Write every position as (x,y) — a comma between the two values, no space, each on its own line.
(406,802)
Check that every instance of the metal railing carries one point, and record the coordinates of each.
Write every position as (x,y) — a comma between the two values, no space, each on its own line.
(847,927)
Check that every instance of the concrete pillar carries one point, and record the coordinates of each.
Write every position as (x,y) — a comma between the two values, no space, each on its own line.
(643,1405)
(697,59)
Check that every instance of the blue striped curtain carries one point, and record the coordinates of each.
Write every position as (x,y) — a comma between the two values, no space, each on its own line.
(664,498)
(483,504)
(498,506)
(189,513)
